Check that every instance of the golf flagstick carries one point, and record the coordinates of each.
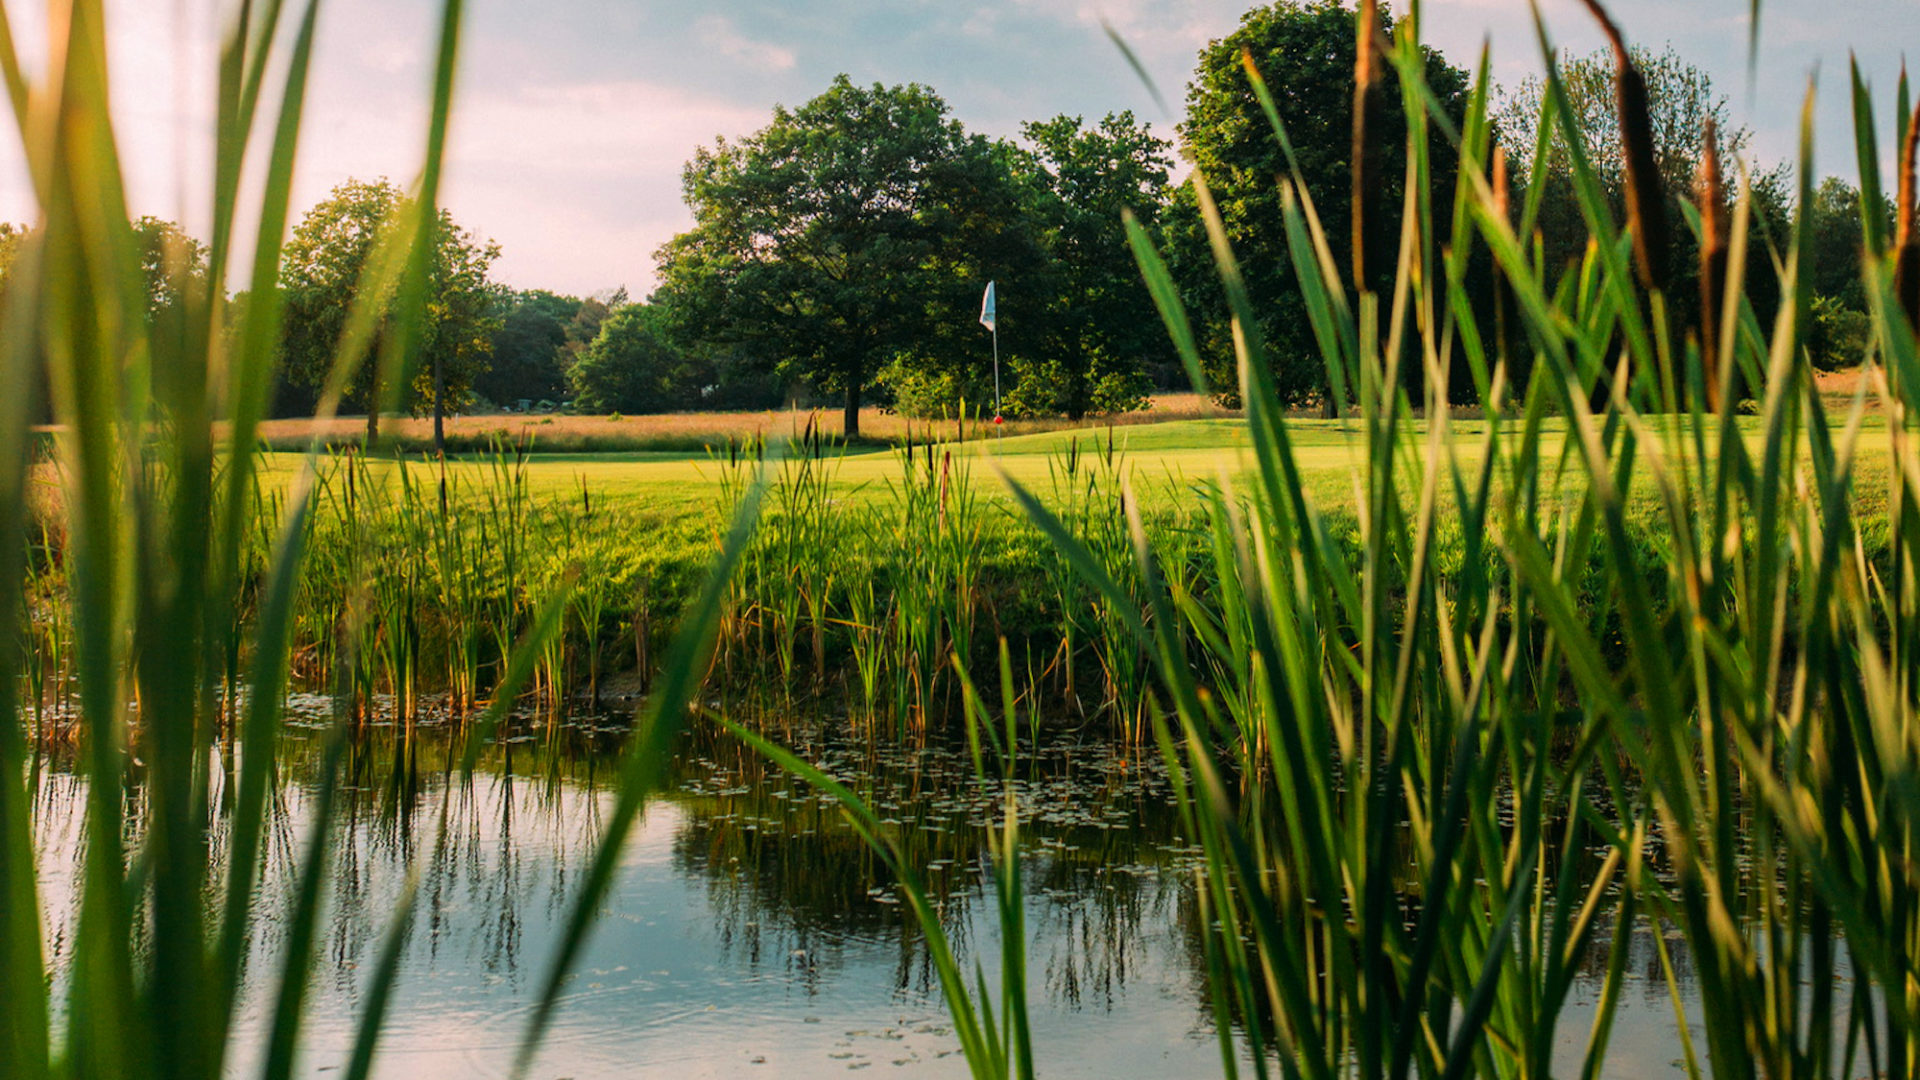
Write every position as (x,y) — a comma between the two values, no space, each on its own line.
(988,320)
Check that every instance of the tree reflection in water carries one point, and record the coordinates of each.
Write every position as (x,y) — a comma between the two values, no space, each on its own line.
(747,896)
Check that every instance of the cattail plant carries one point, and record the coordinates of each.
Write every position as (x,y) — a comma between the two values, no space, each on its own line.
(1711,196)
(1646,204)
(1474,758)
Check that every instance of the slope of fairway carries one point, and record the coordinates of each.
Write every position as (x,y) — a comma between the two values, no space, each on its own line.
(673,484)
(1161,461)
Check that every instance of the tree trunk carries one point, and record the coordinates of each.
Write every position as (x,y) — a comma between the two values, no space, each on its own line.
(439,409)
(851,427)
(373,401)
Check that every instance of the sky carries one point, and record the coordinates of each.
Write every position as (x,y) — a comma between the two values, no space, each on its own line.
(574,117)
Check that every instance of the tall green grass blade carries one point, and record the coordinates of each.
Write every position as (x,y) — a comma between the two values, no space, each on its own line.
(1873,204)
(1594,206)
(290,991)
(1139,69)
(242,72)
(16,83)
(85,329)
(972,1028)
(257,339)
(1166,298)
(23,993)
(265,705)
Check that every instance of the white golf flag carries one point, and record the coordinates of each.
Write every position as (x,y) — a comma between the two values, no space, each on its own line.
(986,308)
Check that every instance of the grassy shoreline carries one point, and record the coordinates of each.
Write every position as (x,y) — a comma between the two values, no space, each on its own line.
(452,559)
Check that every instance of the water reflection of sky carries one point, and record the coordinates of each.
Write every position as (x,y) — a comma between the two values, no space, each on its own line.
(751,934)
(682,975)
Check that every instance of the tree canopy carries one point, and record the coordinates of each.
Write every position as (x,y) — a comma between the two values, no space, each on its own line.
(529,353)
(170,260)
(1835,243)
(1305,53)
(843,247)
(855,229)
(1681,101)
(1095,324)
(320,273)
(632,365)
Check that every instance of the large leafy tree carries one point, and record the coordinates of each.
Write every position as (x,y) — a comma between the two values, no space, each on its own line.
(851,231)
(1838,331)
(1096,326)
(320,274)
(1305,52)
(584,326)
(171,261)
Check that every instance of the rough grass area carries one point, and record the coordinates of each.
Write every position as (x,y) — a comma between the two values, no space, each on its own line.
(560,433)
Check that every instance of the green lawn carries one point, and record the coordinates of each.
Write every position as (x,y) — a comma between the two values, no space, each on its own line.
(1159,459)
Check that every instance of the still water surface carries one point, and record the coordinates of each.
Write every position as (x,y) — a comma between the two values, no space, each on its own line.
(750,932)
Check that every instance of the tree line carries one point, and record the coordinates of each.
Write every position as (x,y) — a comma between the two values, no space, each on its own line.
(840,252)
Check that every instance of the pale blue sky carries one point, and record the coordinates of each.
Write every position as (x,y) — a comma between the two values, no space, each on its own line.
(576,115)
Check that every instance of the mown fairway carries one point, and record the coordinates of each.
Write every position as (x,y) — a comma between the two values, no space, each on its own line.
(1161,460)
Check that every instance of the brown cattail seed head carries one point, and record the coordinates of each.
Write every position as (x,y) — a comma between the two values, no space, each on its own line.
(1367,107)
(1906,244)
(1711,195)
(1366,63)
(1646,208)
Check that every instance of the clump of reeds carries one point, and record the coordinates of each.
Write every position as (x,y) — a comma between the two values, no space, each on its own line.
(1440,770)
(1090,493)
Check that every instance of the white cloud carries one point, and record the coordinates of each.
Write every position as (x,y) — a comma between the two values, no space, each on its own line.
(581,182)
(600,127)
(719,32)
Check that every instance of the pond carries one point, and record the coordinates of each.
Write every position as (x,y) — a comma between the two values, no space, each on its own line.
(750,931)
